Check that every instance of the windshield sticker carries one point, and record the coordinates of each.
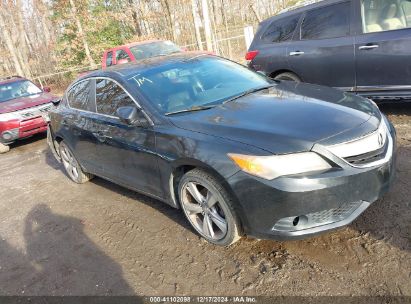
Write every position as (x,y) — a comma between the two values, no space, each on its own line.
(140,80)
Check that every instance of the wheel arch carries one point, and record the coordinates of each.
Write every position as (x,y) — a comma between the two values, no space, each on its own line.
(278,72)
(183,166)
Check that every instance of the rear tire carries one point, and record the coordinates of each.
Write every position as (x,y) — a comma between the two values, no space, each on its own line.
(208,206)
(288,76)
(72,166)
(4,148)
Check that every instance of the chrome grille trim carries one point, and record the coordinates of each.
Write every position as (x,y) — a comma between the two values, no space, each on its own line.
(347,150)
(34,111)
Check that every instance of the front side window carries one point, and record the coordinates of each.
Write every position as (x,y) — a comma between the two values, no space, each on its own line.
(121,54)
(109,59)
(110,96)
(327,22)
(281,30)
(17,89)
(383,15)
(79,96)
(200,81)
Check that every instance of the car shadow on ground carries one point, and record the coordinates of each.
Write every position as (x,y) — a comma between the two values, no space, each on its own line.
(59,259)
(396,108)
(27,141)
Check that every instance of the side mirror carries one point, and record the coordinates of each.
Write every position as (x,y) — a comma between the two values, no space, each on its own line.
(56,102)
(46,89)
(131,116)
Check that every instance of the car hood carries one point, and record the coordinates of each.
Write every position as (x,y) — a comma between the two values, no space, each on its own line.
(286,118)
(25,102)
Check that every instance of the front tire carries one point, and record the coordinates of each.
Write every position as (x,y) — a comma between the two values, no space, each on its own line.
(72,166)
(288,77)
(209,208)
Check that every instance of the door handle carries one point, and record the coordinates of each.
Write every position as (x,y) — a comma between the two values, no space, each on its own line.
(296,53)
(368,47)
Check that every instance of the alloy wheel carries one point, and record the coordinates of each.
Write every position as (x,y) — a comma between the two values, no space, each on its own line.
(204,211)
(70,163)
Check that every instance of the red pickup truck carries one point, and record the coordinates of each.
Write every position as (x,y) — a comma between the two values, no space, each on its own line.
(23,110)
(137,51)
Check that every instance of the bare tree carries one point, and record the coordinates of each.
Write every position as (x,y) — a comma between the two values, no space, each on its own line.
(81,33)
(207,25)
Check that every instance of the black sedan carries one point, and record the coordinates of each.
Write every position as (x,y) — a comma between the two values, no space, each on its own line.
(237,152)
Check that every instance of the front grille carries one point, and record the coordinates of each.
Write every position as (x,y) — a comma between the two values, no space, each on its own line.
(316,219)
(333,215)
(369,157)
(35,111)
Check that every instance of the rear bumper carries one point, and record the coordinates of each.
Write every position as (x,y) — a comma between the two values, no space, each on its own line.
(295,207)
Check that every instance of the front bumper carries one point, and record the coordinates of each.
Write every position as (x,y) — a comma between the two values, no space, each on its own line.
(16,129)
(295,207)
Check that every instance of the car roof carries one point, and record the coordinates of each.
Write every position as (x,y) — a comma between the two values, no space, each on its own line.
(145,64)
(131,44)
(302,8)
(11,79)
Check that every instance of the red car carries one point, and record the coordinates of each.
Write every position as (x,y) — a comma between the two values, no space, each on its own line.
(137,51)
(23,110)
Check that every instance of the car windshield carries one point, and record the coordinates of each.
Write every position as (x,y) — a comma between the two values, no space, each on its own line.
(17,89)
(154,49)
(197,82)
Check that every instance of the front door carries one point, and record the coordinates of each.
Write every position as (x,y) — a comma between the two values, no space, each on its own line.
(383,45)
(323,50)
(126,152)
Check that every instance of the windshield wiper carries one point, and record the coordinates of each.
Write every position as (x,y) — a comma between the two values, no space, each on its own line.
(192,109)
(248,92)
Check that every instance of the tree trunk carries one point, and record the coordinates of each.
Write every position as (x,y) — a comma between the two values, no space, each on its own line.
(81,34)
(170,19)
(134,15)
(230,51)
(207,26)
(196,25)
(257,16)
(10,46)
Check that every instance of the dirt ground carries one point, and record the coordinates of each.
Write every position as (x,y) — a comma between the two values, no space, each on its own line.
(59,238)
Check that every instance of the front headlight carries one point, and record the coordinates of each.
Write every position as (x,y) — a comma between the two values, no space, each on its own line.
(270,167)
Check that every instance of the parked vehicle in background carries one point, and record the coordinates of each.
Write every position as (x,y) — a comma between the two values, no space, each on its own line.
(238,152)
(23,109)
(363,46)
(137,51)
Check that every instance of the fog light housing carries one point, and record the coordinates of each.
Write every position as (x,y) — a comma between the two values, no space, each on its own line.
(10,135)
(315,219)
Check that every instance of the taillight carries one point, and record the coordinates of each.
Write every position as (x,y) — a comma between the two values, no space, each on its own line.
(251,55)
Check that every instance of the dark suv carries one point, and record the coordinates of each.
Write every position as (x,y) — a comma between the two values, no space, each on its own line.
(362,46)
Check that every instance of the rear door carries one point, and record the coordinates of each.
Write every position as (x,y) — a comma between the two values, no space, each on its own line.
(383,45)
(80,122)
(323,50)
(126,152)
(271,43)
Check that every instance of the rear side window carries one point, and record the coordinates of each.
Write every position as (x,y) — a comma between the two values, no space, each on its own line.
(328,22)
(79,96)
(383,15)
(110,96)
(109,59)
(281,30)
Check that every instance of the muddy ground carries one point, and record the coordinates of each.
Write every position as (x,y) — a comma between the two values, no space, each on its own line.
(59,238)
